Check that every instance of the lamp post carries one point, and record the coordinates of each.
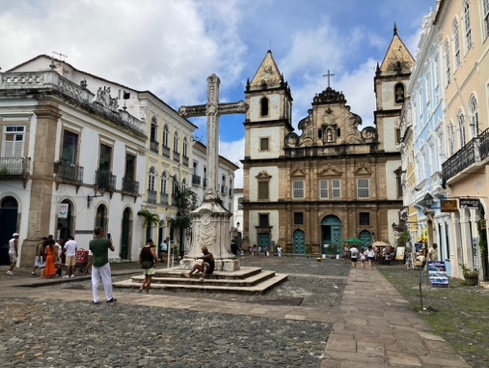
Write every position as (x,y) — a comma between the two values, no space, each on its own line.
(428,202)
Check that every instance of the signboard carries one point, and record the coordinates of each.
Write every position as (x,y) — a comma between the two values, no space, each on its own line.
(400,253)
(469,203)
(449,205)
(63,210)
(437,273)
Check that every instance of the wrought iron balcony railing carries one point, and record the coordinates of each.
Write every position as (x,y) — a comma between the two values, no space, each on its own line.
(196,180)
(176,156)
(105,181)
(130,185)
(153,146)
(69,172)
(164,199)
(152,196)
(166,152)
(11,167)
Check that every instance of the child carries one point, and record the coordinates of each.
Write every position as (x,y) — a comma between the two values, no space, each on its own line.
(279,251)
(363,259)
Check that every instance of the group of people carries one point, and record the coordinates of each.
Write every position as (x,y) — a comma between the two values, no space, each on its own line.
(353,255)
(51,255)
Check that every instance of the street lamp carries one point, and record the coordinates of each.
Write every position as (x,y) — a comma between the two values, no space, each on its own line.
(428,202)
(237,225)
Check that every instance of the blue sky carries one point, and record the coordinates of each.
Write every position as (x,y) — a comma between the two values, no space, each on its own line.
(170,47)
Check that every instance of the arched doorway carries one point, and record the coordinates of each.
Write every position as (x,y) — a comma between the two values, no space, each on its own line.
(332,235)
(366,238)
(9,209)
(65,220)
(299,242)
(101,218)
(126,234)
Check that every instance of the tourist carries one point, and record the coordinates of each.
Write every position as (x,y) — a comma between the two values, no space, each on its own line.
(148,260)
(279,251)
(371,257)
(254,250)
(101,267)
(39,260)
(13,252)
(346,253)
(363,258)
(58,263)
(354,256)
(207,266)
(70,249)
(51,256)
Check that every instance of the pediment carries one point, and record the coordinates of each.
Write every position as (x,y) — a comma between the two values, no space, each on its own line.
(330,171)
(363,170)
(263,175)
(298,173)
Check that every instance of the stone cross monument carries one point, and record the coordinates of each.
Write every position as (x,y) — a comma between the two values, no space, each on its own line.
(210,222)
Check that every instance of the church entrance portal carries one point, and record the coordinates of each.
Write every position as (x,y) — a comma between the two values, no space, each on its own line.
(331,235)
(8,226)
(299,242)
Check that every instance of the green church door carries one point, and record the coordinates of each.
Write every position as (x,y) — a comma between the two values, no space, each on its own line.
(299,242)
(125,236)
(263,242)
(331,231)
(366,237)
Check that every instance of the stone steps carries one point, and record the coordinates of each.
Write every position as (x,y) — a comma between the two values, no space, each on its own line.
(246,280)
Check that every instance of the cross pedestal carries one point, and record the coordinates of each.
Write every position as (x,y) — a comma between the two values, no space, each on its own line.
(210,222)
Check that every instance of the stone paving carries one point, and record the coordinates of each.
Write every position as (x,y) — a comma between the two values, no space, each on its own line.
(323,316)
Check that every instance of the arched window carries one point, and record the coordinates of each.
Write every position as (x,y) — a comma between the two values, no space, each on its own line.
(175,142)
(166,133)
(154,129)
(447,62)
(185,147)
(399,92)
(151,179)
(164,182)
(101,218)
(456,43)
(264,106)
(468,26)
(320,133)
(461,128)
(451,139)
(474,116)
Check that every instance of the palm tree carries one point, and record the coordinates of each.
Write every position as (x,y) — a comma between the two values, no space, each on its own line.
(151,219)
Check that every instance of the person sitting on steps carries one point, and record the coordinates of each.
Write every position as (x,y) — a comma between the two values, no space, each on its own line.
(207,266)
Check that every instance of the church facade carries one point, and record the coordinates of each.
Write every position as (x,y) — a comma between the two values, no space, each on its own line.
(309,190)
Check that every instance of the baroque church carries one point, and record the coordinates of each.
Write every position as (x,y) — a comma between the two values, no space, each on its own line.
(309,189)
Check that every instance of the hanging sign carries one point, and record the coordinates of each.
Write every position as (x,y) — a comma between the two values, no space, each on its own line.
(449,205)
(63,210)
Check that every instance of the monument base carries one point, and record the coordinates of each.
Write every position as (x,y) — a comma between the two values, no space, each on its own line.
(229,265)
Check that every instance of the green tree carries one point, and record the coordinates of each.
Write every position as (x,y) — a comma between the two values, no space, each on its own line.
(150,220)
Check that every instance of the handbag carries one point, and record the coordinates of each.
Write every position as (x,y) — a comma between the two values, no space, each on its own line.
(146,265)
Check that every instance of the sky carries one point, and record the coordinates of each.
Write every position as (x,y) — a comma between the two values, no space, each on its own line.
(170,47)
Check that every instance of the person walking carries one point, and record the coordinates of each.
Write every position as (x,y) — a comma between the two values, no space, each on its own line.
(371,257)
(39,261)
(70,249)
(148,261)
(101,267)
(50,254)
(354,256)
(13,252)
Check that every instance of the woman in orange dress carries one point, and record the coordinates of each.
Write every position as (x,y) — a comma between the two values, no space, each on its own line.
(50,270)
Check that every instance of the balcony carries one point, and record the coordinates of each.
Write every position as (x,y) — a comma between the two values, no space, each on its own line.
(68,172)
(12,167)
(130,186)
(166,152)
(185,161)
(105,181)
(152,196)
(153,146)
(164,199)
(196,180)
(176,156)
(472,154)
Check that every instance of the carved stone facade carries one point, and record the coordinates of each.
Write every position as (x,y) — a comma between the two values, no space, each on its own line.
(310,190)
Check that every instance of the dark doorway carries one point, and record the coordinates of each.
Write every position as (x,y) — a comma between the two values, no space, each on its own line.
(8,225)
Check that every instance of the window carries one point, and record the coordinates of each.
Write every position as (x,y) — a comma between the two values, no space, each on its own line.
(298,189)
(263,144)
(364,218)
(151,179)
(240,203)
(468,26)
(164,183)
(263,190)
(166,134)
(298,218)
(264,106)
(363,188)
(263,219)
(456,44)
(474,116)
(324,189)
(105,158)
(175,143)
(336,188)
(399,92)
(461,128)
(447,61)
(485,15)
(130,167)
(398,135)
(185,147)
(69,151)
(14,141)
(451,139)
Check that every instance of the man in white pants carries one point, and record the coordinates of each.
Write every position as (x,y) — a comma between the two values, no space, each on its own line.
(101,267)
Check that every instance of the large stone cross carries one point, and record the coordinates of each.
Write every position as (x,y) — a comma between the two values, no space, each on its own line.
(213,110)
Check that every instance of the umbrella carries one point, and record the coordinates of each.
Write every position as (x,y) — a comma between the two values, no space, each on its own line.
(354,241)
(380,243)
